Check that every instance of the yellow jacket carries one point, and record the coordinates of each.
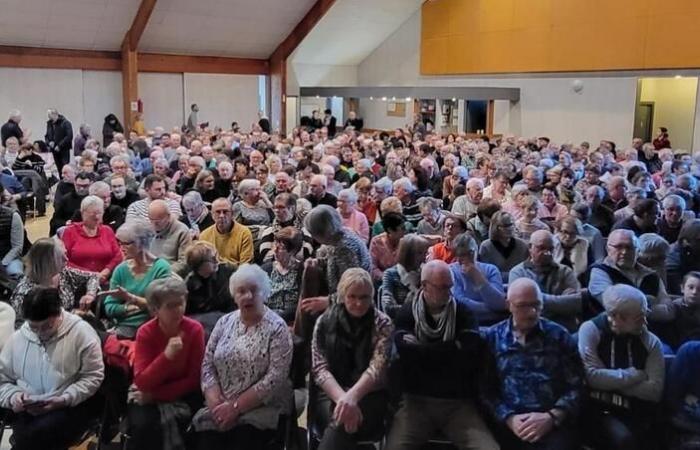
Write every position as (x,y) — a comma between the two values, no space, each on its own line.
(234,247)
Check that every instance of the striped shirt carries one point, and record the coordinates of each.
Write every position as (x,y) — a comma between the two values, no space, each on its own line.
(139,209)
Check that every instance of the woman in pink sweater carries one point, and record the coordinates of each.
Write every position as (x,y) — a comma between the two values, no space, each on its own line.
(352,218)
(90,245)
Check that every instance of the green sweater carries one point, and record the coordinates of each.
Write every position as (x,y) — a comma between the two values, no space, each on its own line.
(122,276)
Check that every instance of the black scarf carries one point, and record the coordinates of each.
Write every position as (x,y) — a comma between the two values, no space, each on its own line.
(348,344)
(505,251)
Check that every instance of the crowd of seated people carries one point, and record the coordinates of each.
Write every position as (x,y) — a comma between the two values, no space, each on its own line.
(508,293)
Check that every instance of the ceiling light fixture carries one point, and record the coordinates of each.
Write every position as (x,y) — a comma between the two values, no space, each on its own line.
(678,77)
(383,99)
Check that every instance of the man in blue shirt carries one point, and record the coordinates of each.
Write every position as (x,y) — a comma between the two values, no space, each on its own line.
(540,375)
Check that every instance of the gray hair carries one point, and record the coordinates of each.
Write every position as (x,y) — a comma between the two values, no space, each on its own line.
(429,203)
(622,298)
(162,289)
(198,160)
(333,161)
(251,273)
(192,198)
(99,187)
(366,163)
(349,195)
(245,185)
(475,182)
(625,232)
(116,158)
(405,183)
(674,200)
(139,232)
(461,172)
(653,244)
(323,220)
(464,245)
(385,185)
(90,201)
(15,113)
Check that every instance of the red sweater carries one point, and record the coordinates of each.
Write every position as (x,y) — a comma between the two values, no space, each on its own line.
(91,253)
(155,374)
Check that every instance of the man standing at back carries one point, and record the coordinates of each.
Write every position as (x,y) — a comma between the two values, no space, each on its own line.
(441,360)
(59,138)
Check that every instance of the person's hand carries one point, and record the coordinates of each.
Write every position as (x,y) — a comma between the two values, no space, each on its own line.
(347,413)
(314,304)
(173,348)
(225,416)
(212,400)
(104,276)
(18,401)
(132,309)
(121,294)
(515,423)
(50,404)
(409,339)
(472,272)
(86,301)
(142,398)
(536,426)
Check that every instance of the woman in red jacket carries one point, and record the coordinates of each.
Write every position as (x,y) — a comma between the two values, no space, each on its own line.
(167,365)
(90,245)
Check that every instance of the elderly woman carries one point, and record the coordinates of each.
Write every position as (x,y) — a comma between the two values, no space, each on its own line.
(403,278)
(350,356)
(50,371)
(477,284)
(570,247)
(653,251)
(253,208)
(208,296)
(459,177)
(529,221)
(454,226)
(624,368)
(352,218)
(389,204)
(285,270)
(478,226)
(204,184)
(90,245)
(383,249)
(365,202)
(245,370)
(340,250)
(502,248)
(433,222)
(197,216)
(405,191)
(167,363)
(45,265)
(126,306)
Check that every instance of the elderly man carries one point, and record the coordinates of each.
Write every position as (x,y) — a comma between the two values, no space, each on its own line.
(434,176)
(285,209)
(633,196)
(621,267)
(119,164)
(122,196)
(194,165)
(533,177)
(172,236)
(643,219)
(440,365)
(671,221)
(617,193)
(625,386)
(155,188)
(11,128)
(233,241)
(196,217)
(540,375)
(317,192)
(59,137)
(465,206)
(404,190)
(562,292)
(70,202)
(601,216)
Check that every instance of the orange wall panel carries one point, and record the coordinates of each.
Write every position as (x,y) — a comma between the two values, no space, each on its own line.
(512,36)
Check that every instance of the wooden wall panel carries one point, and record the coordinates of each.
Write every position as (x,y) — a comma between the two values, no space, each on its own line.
(516,36)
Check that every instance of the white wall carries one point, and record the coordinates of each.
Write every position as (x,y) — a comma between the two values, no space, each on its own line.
(222,99)
(375,116)
(102,95)
(674,107)
(163,101)
(306,75)
(548,106)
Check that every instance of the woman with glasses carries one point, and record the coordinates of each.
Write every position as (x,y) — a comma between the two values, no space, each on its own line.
(570,247)
(126,305)
(502,248)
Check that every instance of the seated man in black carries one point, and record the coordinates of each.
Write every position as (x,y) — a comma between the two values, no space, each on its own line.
(69,203)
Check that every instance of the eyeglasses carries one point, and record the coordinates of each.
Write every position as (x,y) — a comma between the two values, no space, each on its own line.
(124,243)
(525,306)
(440,287)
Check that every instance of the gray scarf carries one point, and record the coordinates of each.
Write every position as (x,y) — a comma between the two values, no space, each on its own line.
(445,329)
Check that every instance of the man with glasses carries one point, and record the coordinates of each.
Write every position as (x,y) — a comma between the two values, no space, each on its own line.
(621,267)
(540,376)
(285,209)
(671,221)
(562,293)
(172,236)
(441,357)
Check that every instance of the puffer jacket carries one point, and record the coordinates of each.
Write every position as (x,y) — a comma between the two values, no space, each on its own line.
(69,364)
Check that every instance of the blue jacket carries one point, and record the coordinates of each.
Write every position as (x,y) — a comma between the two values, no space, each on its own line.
(488,302)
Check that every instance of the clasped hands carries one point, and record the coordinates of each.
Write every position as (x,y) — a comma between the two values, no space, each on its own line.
(530,427)
(347,413)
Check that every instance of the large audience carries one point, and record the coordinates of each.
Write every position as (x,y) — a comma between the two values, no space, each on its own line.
(202,287)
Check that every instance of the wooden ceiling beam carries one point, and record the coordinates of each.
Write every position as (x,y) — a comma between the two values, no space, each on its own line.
(49,58)
(151,62)
(133,36)
(278,61)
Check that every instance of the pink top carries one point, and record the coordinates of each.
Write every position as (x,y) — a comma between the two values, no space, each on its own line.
(558,212)
(357,222)
(382,255)
(91,253)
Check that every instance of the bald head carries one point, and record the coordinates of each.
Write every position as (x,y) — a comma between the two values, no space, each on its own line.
(159,215)
(524,301)
(541,248)
(523,288)
(434,268)
(436,280)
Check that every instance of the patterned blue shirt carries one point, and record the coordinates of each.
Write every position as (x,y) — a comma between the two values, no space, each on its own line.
(544,373)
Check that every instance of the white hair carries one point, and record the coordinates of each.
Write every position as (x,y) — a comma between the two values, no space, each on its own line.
(15,114)
(321,179)
(674,200)
(621,298)
(245,185)
(192,199)
(349,195)
(405,183)
(197,160)
(90,201)
(251,273)
(117,158)
(323,221)
(385,185)
(475,182)
(97,187)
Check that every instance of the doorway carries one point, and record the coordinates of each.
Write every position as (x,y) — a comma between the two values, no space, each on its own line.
(644,121)
(475,117)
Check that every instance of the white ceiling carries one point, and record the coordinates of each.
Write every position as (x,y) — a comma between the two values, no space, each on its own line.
(352,29)
(76,24)
(244,28)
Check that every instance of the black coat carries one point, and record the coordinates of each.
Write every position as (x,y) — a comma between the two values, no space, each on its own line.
(110,127)
(331,124)
(60,133)
(264,124)
(11,129)
(357,123)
